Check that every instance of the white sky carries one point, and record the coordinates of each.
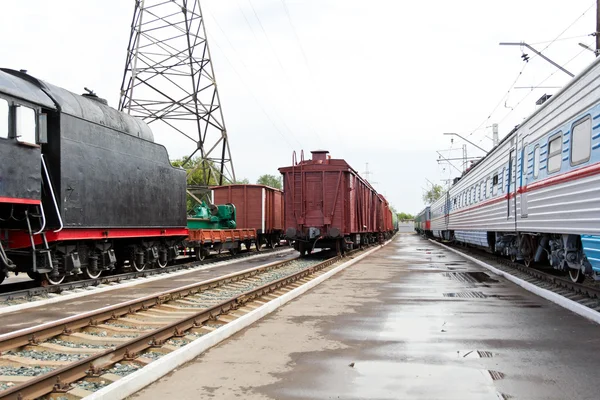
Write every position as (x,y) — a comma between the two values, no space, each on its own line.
(382,79)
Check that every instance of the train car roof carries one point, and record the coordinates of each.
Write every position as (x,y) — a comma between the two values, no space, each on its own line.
(25,90)
(78,106)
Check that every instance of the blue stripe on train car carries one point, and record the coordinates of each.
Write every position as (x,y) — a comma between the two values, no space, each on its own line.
(591,249)
(477,238)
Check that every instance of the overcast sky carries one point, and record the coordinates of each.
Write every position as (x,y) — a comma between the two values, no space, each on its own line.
(378,83)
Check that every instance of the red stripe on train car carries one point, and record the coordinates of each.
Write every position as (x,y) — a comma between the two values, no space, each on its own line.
(580,173)
(19,201)
(20,239)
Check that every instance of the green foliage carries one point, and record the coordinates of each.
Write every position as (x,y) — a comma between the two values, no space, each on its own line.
(199,172)
(402,216)
(244,181)
(269,180)
(434,193)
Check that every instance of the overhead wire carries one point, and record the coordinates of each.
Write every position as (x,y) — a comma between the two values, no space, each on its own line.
(308,67)
(252,95)
(539,84)
(524,66)
(283,70)
(247,86)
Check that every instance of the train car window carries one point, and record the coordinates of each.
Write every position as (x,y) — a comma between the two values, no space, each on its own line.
(25,124)
(4,119)
(536,161)
(554,153)
(581,141)
(487,188)
(495,184)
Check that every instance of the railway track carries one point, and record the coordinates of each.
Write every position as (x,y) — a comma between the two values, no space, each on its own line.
(586,294)
(73,357)
(10,292)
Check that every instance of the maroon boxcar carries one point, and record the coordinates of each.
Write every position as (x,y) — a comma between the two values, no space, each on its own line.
(328,205)
(257,207)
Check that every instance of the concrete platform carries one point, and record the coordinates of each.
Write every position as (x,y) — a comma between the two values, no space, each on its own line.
(44,313)
(412,321)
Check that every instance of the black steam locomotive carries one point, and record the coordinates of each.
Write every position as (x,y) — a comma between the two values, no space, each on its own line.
(59,152)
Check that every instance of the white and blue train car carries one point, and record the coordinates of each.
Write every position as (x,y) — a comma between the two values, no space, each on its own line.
(536,195)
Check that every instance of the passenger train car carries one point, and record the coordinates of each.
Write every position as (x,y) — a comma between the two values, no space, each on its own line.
(423,222)
(536,195)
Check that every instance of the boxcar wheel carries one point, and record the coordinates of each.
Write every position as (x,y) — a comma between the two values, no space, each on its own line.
(234,250)
(3,276)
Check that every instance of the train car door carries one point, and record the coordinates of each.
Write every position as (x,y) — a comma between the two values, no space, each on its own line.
(523,179)
(509,181)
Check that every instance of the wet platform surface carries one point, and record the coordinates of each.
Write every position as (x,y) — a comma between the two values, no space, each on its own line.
(44,313)
(411,321)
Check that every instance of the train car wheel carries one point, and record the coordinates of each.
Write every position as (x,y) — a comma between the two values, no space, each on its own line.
(161,264)
(199,253)
(55,279)
(528,261)
(92,273)
(3,276)
(576,275)
(138,268)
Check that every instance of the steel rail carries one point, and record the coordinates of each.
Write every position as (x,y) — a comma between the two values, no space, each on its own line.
(59,379)
(105,279)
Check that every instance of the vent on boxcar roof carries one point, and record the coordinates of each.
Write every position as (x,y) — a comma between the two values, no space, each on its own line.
(319,155)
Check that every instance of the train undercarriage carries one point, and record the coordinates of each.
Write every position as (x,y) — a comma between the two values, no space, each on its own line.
(563,252)
(89,259)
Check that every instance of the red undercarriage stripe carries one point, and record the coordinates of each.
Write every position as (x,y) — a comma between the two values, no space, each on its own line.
(20,239)
(18,201)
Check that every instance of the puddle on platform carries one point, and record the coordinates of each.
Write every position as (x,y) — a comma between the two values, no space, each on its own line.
(387,379)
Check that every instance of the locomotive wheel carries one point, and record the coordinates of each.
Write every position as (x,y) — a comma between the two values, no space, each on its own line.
(56,279)
(528,261)
(161,264)
(3,276)
(576,275)
(90,273)
(136,267)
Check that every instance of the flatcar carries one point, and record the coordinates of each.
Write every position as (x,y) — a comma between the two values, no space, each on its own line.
(535,196)
(328,205)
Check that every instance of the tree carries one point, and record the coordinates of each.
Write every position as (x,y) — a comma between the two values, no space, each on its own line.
(269,180)
(244,181)
(434,193)
(402,216)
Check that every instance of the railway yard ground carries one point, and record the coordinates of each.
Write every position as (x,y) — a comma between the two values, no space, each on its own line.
(412,320)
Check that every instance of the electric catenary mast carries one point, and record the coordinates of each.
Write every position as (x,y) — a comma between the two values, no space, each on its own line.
(169,82)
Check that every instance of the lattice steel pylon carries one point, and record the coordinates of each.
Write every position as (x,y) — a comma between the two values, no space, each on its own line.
(169,82)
